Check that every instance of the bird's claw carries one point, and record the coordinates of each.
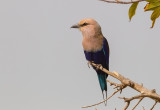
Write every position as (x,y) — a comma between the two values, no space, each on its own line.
(90,63)
(98,66)
(119,87)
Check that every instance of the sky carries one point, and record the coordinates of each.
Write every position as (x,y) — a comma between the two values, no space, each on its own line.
(42,64)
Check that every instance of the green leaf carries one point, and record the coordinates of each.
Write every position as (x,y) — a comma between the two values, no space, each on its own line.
(151,6)
(132,10)
(153,1)
(155,15)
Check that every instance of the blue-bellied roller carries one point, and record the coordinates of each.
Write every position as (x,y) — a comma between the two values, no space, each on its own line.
(96,48)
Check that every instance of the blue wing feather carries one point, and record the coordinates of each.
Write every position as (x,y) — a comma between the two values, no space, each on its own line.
(106,51)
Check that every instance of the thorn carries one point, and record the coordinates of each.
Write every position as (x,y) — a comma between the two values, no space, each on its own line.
(131,83)
(153,90)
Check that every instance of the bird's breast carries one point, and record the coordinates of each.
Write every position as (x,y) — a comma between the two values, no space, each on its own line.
(92,44)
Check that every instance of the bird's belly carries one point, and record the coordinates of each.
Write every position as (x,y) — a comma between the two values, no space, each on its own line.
(99,57)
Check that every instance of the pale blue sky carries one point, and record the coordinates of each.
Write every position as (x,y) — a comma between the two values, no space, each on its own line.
(42,65)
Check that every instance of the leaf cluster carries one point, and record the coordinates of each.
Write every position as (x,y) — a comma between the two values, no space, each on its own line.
(152,5)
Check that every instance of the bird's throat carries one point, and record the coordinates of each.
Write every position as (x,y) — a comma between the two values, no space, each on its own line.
(92,44)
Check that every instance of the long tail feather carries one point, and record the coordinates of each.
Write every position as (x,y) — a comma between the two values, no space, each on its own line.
(106,98)
(103,98)
(102,81)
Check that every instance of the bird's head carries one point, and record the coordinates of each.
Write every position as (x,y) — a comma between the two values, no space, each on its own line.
(88,27)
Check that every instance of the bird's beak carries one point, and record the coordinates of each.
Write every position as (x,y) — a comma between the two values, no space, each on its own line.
(75,26)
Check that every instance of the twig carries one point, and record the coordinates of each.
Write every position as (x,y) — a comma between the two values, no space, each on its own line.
(127,105)
(128,100)
(101,101)
(138,103)
(118,86)
(121,2)
(134,97)
(154,105)
(115,84)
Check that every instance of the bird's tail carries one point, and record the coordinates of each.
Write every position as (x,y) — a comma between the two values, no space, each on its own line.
(102,81)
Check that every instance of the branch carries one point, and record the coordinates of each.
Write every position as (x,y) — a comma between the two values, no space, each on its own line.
(122,2)
(128,100)
(125,82)
(154,105)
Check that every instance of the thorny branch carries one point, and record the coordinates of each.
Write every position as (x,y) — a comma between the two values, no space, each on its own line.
(125,82)
(122,2)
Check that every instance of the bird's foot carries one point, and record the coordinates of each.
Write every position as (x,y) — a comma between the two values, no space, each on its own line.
(120,87)
(98,66)
(90,63)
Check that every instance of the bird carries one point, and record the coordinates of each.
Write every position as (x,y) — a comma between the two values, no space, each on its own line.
(96,48)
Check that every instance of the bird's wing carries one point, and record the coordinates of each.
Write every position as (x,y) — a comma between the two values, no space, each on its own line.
(88,55)
(106,51)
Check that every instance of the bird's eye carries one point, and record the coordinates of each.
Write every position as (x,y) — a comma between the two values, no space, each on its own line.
(84,24)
